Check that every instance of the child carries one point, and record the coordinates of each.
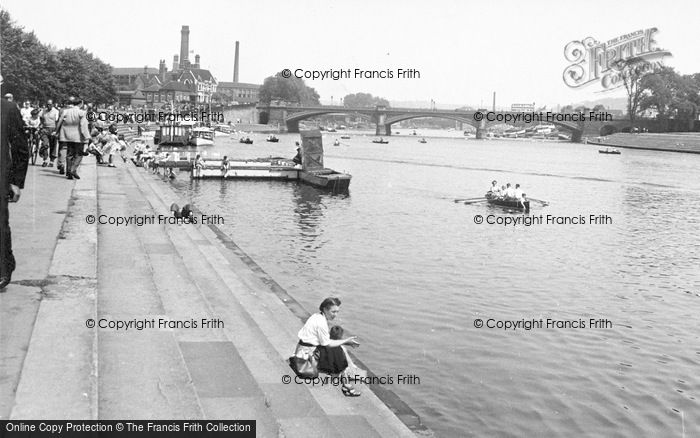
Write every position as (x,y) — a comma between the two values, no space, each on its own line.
(224,166)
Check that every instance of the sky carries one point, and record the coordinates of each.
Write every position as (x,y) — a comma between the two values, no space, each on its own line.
(463,50)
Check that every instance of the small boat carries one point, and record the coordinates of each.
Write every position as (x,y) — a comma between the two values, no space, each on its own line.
(201,136)
(222,130)
(609,151)
(510,203)
(382,141)
(330,129)
(422,140)
(246,140)
(345,137)
(336,143)
(272,139)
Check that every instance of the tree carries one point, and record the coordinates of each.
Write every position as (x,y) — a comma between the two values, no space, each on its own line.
(632,72)
(35,71)
(23,60)
(599,108)
(290,89)
(364,100)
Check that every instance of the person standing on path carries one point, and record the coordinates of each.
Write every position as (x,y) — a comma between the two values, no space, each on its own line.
(14,159)
(49,118)
(72,134)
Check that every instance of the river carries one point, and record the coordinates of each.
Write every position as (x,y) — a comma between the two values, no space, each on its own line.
(415,273)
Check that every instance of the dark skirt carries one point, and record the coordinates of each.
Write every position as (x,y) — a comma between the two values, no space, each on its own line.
(332,360)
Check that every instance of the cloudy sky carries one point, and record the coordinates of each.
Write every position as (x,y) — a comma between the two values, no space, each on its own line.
(464,50)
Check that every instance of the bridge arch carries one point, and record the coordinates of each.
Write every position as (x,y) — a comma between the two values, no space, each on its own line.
(303,115)
(400,118)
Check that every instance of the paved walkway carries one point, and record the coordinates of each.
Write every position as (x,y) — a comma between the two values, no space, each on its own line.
(70,271)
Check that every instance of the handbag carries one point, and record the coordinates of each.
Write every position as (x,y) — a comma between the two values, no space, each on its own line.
(305,367)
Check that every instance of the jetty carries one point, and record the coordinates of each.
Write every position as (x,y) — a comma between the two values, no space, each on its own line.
(311,171)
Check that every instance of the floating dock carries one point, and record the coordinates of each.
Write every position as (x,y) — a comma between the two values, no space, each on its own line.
(311,171)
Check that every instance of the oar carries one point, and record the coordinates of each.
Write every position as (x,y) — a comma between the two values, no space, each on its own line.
(468,199)
(539,200)
(474,202)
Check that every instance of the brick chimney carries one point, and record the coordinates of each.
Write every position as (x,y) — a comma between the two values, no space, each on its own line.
(176,64)
(196,61)
(161,70)
(235,65)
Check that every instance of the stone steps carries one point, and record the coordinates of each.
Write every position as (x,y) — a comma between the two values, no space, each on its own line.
(177,273)
(250,287)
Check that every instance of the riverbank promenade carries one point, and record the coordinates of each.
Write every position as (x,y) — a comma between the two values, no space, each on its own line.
(71,272)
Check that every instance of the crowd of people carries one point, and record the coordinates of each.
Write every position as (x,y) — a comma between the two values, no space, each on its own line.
(506,192)
(62,134)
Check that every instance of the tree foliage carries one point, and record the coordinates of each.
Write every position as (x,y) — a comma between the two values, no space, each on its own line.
(34,71)
(291,90)
(671,94)
(364,100)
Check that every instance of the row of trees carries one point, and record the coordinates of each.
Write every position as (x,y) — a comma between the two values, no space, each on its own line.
(364,100)
(35,71)
(659,88)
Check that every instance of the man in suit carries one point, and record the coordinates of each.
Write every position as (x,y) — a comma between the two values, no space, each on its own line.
(14,159)
(72,134)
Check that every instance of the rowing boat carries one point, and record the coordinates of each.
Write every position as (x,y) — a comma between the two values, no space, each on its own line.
(510,203)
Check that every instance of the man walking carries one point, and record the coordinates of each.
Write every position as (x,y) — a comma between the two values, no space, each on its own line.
(14,159)
(72,133)
(49,119)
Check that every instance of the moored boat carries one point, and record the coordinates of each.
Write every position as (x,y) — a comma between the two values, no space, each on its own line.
(326,179)
(201,136)
(608,151)
(272,139)
(246,140)
(380,141)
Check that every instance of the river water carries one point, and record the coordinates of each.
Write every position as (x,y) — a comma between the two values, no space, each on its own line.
(415,272)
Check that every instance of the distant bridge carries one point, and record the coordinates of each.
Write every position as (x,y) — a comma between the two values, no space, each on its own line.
(384,117)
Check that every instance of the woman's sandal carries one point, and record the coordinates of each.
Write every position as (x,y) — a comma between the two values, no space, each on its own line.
(350,392)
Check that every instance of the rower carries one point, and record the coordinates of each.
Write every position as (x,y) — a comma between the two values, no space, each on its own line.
(494,188)
(502,192)
(517,192)
(522,200)
(510,192)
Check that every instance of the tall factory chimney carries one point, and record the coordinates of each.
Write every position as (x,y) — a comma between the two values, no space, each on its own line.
(184,45)
(176,64)
(235,65)
(161,70)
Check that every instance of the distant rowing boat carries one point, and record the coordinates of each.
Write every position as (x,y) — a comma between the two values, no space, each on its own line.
(510,203)
(613,152)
